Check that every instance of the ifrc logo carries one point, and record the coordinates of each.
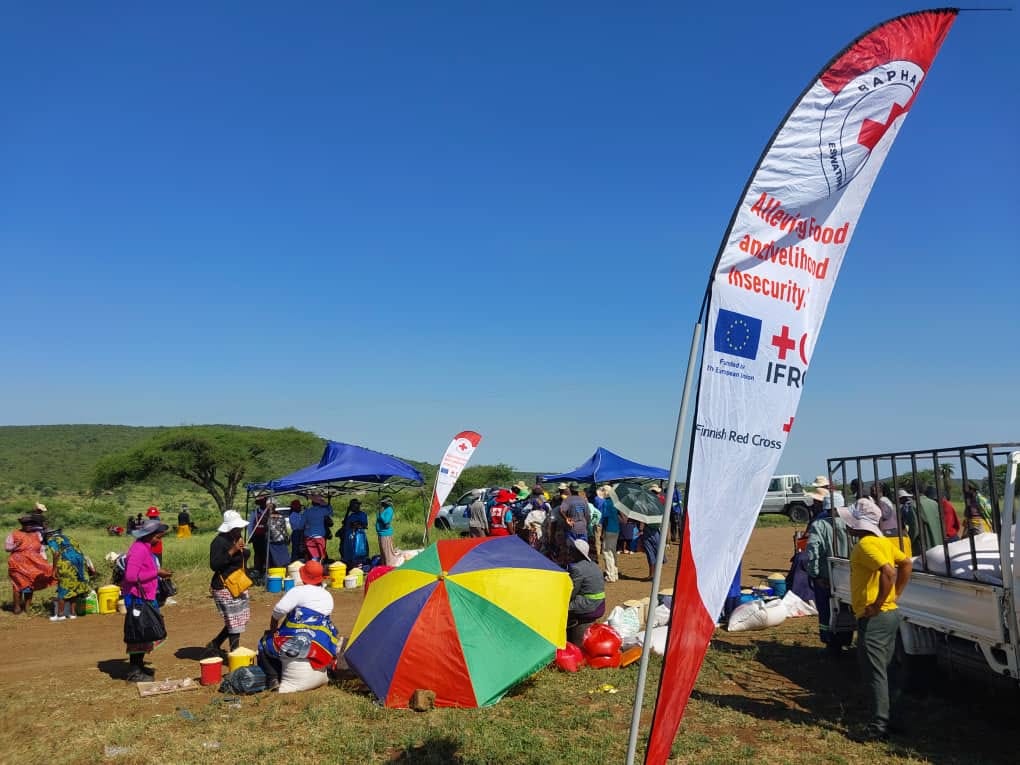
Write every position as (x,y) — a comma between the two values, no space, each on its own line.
(784,371)
(860,115)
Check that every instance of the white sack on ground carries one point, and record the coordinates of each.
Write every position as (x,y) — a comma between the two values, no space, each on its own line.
(658,639)
(298,675)
(797,606)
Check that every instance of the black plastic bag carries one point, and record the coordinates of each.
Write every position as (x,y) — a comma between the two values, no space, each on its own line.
(244,680)
(143,624)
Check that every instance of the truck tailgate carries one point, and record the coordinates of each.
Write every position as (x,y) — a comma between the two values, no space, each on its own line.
(959,607)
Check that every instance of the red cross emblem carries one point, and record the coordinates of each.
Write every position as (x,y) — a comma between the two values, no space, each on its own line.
(788,426)
(784,342)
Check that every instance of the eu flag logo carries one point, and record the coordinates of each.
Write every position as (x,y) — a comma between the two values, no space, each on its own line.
(443,470)
(737,334)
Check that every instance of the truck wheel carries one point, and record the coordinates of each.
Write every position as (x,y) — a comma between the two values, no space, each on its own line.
(798,513)
(442,523)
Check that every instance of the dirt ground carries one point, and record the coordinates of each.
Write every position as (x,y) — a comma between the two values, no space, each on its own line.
(87,653)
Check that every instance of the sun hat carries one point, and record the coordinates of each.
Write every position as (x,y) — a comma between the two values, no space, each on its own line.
(818,493)
(656,488)
(521,485)
(385,501)
(863,515)
(149,527)
(231,520)
(901,494)
(311,572)
(40,507)
(582,547)
(562,487)
(152,512)
(820,482)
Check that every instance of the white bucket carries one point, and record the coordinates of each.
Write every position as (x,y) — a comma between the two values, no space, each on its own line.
(350,582)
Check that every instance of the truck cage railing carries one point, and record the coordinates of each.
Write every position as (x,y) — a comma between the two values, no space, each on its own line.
(978,465)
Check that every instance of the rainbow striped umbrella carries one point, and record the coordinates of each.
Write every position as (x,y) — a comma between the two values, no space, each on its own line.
(466,618)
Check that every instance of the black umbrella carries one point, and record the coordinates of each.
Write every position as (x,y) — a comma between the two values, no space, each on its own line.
(636,502)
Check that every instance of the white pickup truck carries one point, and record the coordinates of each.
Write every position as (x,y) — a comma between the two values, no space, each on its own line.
(786,495)
(963,598)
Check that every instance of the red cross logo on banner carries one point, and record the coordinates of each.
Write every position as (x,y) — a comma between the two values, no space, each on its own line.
(788,426)
(462,446)
(784,342)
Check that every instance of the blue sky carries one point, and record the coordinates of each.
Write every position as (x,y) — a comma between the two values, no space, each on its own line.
(385,223)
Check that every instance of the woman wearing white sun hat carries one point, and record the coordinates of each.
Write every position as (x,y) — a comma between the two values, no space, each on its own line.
(227,554)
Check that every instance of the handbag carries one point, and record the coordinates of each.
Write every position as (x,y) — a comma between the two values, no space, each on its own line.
(165,588)
(143,623)
(237,582)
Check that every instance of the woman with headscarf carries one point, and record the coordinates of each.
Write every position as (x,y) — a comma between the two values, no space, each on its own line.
(27,565)
(141,582)
(71,570)
(227,554)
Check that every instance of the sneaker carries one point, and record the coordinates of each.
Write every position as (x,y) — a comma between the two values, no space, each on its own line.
(57,618)
(73,616)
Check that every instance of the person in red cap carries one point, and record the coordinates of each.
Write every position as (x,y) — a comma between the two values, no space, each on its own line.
(300,627)
(157,548)
(501,518)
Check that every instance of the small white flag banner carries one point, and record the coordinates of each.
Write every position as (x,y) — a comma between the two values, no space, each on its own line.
(454,461)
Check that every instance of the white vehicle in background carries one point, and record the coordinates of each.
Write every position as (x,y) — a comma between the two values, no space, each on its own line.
(786,495)
(456,515)
(962,603)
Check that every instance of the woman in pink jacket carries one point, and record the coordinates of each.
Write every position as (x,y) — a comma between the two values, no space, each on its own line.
(141,574)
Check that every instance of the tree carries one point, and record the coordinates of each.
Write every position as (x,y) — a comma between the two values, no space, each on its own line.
(215,458)
(946,469)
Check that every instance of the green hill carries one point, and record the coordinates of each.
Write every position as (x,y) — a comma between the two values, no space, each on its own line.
(61,458)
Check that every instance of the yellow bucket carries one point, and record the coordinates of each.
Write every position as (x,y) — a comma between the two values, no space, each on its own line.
(359,576)
(280,571)
(240,657)
(337,572)
(109,594)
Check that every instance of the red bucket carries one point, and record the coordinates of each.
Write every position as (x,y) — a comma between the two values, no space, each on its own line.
(212,671)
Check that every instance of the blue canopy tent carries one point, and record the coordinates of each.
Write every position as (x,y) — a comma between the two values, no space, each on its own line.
(343,468)
(604,466)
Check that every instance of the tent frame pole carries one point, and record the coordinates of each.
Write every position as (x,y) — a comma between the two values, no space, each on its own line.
(674,469)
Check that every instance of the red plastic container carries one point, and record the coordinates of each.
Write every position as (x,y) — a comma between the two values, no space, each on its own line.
(212,671)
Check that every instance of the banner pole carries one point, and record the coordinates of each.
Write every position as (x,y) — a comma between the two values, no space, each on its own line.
(428,511)
(674,469)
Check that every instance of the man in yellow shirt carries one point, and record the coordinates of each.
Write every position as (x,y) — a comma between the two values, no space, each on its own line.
(879,570)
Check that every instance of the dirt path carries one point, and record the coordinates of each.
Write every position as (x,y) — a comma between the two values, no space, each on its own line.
(82,661)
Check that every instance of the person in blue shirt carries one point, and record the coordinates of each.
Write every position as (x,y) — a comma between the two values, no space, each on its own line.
(318,516)
(384,528)
(610,523)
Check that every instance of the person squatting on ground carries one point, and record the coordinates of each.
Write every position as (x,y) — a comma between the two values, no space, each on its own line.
(27,565)
(879,571)
(588,591)
(141,582)
(72,571)
(227,554)
(300,627)
(384,530)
